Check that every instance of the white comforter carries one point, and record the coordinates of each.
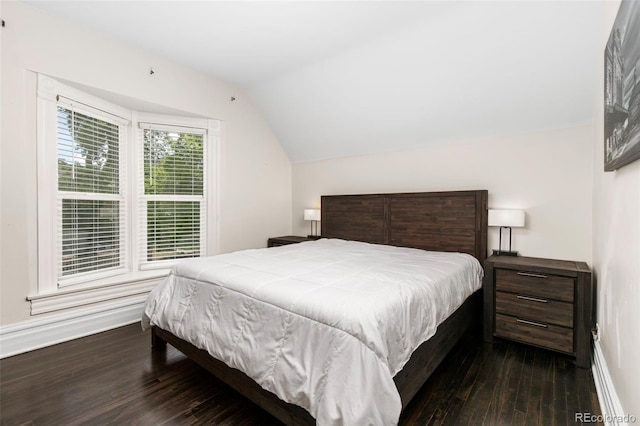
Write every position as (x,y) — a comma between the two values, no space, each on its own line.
(323,324)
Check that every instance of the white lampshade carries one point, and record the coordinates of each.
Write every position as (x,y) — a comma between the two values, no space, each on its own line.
(312,214)
(513,218)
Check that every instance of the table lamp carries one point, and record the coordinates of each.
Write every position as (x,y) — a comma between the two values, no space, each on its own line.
(506,219)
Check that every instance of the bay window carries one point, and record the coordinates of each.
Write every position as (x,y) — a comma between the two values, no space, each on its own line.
(122,194)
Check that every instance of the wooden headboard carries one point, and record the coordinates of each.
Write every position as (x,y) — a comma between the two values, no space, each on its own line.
(439,221)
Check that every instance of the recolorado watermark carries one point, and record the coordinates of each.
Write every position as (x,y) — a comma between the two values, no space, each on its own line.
(599,418)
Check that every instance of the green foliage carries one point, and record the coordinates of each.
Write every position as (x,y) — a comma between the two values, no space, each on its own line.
(88,154)
(90,235)
(173,163)
(88,163)
(173,229)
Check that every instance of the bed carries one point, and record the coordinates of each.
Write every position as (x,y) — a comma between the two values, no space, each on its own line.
(435,221)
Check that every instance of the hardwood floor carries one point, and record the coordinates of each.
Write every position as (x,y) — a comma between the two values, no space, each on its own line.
(115,378)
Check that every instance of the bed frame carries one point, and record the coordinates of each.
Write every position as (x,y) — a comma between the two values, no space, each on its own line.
(441,221)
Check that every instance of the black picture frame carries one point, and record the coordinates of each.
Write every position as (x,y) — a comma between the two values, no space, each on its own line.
(622,89)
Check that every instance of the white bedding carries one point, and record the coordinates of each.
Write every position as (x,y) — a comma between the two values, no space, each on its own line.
(323,324)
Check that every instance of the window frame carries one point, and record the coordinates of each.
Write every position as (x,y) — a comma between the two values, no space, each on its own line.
(184,125)
(121,196)
(106,285)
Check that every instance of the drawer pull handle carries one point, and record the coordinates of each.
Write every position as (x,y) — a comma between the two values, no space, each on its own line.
(537,324)
(532,299)
(529,274)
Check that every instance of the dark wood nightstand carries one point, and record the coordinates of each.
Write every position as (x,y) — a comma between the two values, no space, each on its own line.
(542,302)
(288,239)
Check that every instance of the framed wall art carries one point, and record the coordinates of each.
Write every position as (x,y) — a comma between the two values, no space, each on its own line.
(622,89)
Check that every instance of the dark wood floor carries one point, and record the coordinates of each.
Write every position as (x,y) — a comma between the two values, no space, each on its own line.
(115,378)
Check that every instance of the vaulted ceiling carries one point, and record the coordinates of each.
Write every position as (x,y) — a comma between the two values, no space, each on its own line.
(340,78)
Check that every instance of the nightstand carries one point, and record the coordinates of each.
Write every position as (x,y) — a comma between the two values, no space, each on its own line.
(289,239)
(541,302)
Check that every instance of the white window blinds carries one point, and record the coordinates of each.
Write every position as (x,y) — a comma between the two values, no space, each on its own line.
(122,195)
(90,206)
(172,193)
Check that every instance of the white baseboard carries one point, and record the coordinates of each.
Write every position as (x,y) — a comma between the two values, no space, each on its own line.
(38,333)
(612,411)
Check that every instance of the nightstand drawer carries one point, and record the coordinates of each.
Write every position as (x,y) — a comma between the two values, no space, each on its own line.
(535,308)
(535,284)
(535,333)
(542,302)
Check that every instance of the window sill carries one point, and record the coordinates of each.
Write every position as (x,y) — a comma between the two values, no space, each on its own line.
(112,288)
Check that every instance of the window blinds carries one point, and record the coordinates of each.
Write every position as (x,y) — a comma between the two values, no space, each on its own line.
(90,208)
(172,193)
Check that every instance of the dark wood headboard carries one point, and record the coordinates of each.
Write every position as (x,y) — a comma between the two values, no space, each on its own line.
(439,221)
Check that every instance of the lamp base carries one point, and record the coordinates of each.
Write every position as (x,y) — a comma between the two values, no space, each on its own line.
(504,253)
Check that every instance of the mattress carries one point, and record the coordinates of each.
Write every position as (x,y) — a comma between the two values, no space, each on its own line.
(322,324)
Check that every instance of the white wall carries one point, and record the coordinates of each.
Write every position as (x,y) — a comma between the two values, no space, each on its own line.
(548,174)
(616,256)
(255,178)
